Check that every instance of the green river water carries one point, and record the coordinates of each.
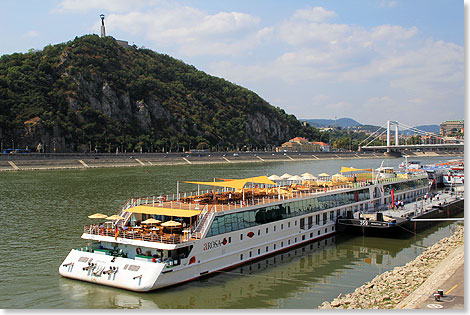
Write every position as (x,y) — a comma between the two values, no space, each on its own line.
(43,214)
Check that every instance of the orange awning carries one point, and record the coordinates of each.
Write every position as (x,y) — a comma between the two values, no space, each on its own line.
(237,183)
(164,211)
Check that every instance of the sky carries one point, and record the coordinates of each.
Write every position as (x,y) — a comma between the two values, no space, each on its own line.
(369,60)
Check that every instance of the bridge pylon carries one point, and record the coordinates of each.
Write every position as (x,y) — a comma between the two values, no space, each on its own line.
(389,124)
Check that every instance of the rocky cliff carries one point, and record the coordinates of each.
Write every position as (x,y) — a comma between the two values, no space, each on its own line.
(91,93)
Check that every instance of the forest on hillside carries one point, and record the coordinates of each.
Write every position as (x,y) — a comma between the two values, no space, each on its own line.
(92,93)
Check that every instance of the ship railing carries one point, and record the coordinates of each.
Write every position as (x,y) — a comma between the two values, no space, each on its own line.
(284,195)
(150,237)
(168,202)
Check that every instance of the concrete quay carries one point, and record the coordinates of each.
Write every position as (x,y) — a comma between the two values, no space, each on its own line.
(412,286)
(57,161)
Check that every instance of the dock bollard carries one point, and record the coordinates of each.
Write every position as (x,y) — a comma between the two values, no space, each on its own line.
(441,292)
(437,296)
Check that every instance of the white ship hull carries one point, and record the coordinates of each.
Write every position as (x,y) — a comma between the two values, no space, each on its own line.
(148,275)
(193,258)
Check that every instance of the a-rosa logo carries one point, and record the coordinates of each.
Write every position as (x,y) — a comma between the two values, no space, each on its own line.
(214,244)
(250,234)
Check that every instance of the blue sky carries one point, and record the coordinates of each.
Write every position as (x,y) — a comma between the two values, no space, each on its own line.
(370,60)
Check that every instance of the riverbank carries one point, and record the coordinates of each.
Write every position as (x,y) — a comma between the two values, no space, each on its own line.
(408,285)
(56,161)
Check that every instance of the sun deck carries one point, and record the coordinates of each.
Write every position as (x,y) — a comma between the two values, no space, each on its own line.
(196,208)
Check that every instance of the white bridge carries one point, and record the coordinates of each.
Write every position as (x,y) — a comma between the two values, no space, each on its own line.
(437,142)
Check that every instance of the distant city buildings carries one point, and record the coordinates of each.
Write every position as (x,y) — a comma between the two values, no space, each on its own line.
(450,127)
(299,144)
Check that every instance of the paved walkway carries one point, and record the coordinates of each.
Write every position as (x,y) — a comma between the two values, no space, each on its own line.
(448,276)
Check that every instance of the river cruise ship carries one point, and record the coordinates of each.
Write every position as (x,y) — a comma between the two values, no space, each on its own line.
(159,241)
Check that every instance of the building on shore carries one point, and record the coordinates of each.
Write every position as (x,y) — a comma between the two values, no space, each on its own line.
(299,144)
(449,127)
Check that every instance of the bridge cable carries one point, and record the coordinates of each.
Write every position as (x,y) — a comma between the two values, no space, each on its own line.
(370,135)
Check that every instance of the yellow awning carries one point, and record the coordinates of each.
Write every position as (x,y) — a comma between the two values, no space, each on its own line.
(237,183)
(164,211)
(345,169)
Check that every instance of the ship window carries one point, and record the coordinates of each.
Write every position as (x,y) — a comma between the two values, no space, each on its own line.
(241,237)
(274,229)
(230,239)
(267,230)
(333,228)
(318,232)
(311,235)
(250,218)
(317,219)
(274,246)
(288,242)
(259,251)
(303,237)
(241,256)
(332,214)
(250,253)
(282,244)
(295,240)
(267,249)
(325,217)
(326,230)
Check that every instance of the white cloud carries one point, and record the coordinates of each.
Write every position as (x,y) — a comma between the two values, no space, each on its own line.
(32,33)
(378,102)
(388,4)
(316,14)
(340,106)
(195,32)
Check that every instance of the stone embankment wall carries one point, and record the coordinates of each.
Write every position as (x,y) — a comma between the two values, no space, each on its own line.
(388,289)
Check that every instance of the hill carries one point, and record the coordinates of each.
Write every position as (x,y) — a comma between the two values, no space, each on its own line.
(342,122)
(428,128)
(92,93)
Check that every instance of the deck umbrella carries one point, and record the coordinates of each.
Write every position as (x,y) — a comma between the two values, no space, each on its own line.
(151,221)
(324,177)
(171,224)
(308,176)
(115,217)
(98,216)
(274,177)
(295,178)
(286,176)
